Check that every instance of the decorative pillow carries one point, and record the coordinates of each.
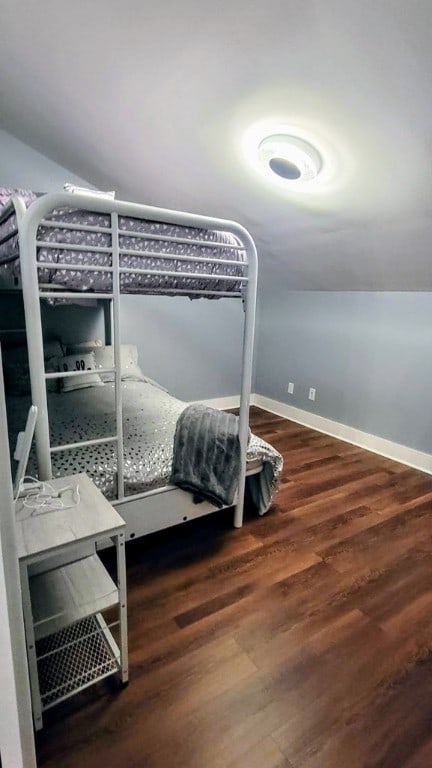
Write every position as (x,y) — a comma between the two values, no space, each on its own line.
(83,346)
(104,357)
(80,362)
(84,190)
(130,370)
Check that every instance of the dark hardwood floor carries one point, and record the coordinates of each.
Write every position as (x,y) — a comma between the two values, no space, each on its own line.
(302,640)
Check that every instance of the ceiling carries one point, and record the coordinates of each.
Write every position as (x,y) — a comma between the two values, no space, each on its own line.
(153,99)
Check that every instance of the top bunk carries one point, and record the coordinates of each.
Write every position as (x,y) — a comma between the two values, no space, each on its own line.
(82,241)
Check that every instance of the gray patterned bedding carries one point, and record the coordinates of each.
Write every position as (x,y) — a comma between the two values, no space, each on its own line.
(149,417)
(153,244)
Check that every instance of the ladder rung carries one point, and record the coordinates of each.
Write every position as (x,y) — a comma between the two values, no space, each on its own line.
(69,374)
(83,444)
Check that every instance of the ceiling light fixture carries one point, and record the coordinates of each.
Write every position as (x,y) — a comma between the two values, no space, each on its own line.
(292,159)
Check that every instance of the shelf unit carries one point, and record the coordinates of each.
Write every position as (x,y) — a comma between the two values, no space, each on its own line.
(69,593)
(70,645)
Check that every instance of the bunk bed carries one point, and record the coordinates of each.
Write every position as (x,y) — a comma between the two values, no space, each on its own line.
(86,247)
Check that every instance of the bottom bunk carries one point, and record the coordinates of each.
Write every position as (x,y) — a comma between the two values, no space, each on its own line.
(150,416)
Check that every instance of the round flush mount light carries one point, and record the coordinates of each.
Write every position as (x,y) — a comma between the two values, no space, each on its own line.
(290,158)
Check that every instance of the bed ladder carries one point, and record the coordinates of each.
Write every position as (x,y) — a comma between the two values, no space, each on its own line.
(40,394)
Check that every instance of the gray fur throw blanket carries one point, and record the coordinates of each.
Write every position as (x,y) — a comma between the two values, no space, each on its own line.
(206,458)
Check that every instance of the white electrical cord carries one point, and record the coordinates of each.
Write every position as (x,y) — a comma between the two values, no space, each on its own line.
(43,497)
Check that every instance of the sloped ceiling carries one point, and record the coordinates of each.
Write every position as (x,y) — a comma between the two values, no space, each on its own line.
(153,99)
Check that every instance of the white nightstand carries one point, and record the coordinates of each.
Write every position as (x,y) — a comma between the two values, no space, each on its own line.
(69,644)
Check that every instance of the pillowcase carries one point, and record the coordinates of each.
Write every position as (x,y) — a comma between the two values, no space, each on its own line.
(104,357)
(83,346)
(80,362)
(130,370)
(84,190)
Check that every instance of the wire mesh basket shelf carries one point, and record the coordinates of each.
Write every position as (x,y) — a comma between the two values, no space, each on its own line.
(74,658)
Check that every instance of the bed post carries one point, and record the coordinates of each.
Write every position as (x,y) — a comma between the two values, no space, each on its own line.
(107,308)
(247,367)
(28,224)
(115,304)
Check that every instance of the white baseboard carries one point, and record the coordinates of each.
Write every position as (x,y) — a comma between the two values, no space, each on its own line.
(223,403)
(402,453)
(387,448)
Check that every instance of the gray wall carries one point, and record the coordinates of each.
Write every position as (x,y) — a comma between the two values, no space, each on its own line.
(369,355)
(23,167)
(193,348)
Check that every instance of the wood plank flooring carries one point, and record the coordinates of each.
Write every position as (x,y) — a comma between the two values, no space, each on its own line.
(303,640)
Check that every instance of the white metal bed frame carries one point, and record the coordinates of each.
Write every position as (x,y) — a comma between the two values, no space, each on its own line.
(163,507)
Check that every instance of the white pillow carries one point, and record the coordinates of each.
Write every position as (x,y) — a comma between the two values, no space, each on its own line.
(84,190)
(80,362)
(130,370)
(83,346)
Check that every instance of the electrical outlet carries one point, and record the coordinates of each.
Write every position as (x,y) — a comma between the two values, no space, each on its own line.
(291,388)
(312,393)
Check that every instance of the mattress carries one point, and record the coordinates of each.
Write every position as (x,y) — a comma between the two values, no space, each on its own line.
(145,242)
(149,419)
